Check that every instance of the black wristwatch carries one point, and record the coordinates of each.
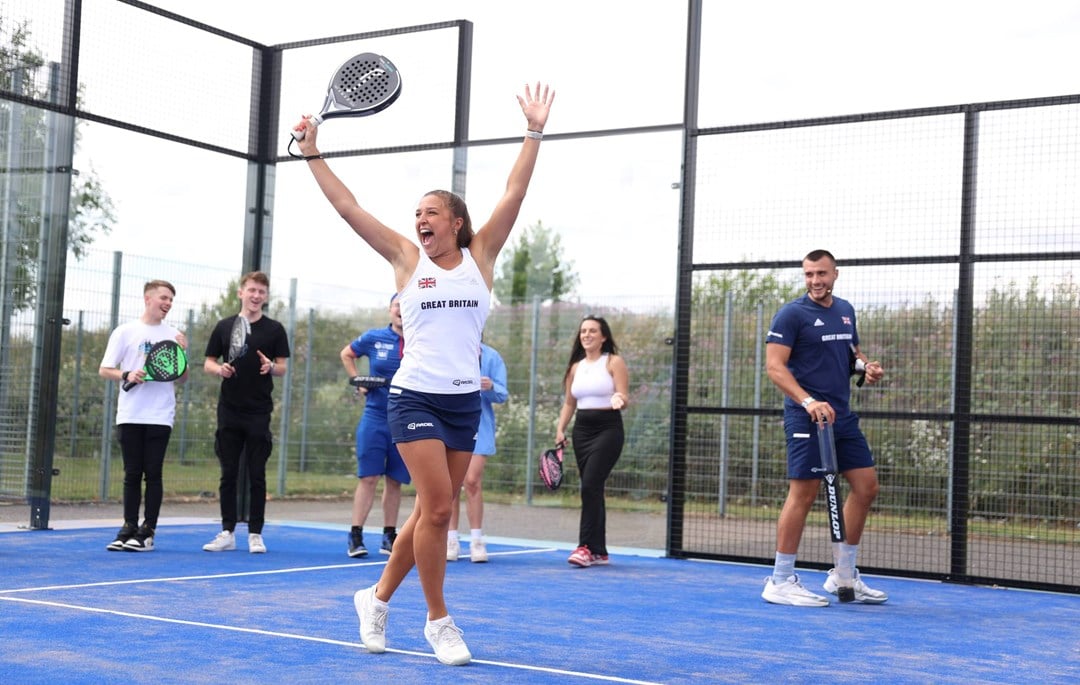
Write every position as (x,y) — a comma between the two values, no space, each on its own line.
(124,375)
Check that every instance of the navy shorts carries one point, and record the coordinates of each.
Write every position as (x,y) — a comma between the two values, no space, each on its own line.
(452,419)
(803,457)
(376,454)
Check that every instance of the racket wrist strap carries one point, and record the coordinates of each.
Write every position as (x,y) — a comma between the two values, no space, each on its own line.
(534,135)
(308,158)
(124,376)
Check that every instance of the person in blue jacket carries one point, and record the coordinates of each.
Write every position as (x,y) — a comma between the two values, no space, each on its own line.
(492,391)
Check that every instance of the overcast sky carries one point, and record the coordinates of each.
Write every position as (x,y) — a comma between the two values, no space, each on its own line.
(614,63)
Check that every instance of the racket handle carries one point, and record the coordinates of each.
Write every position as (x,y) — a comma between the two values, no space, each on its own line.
(128,386)
(860,369)
(313,121)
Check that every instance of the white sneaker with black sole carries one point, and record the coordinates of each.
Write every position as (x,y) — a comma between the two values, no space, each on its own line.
(863,592)
(792,593)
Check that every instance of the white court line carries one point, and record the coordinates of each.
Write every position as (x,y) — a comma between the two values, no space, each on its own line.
(239,574)
(309,638)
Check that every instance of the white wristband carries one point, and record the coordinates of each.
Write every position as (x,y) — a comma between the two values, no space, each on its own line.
(535,135)
(807,402)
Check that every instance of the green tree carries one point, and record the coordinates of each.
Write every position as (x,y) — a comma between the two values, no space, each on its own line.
(749,288)
(91,212)
(535,266)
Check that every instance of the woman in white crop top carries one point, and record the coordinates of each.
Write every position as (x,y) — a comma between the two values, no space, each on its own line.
(434,407)
(597,386)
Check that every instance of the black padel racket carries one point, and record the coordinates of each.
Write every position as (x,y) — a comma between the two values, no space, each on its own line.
(166,361)
(368,382)
(551,466)
(364,85)
(827,448)
(238,339)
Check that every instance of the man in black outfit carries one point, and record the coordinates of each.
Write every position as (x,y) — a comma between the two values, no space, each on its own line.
(245,404)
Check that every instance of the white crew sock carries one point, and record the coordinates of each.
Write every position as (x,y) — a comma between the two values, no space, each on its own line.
(783,567)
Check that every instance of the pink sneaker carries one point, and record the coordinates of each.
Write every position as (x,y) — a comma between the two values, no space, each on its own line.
(581,557)
(600,560)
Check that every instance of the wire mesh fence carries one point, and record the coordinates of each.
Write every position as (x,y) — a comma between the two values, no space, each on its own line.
(316,410)
(956,230)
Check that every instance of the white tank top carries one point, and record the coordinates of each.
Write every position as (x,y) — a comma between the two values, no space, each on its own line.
(443,314)
(593,385)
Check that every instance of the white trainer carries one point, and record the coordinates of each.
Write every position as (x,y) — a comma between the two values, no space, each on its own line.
(863,592)
(224,542)
(372,620)
(478,552)
(445,639)
(791,593)
(453,550)
(256,544)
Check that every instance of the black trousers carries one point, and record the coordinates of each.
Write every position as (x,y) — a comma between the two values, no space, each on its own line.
(143,446)
(598,442)
(249,435)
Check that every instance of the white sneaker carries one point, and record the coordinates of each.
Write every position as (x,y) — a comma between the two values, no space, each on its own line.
(478,552)
(256,544)
(224,542)
(791,593)
(445,639)
(372,620)
(453,549)
(863,592)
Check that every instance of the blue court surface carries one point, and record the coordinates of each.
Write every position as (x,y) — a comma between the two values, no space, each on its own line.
(71,612)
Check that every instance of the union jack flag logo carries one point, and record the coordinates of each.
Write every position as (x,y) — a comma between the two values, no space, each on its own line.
(426,283)
(846,320)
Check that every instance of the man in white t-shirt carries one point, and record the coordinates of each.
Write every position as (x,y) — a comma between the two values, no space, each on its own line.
(144,414)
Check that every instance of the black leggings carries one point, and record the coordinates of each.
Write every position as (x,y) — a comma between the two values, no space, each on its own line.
(598,442)
(143,446)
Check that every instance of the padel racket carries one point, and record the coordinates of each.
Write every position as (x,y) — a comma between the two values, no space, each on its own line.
(845,591)
(857,367)
(166,361)
(238,339)
(364,85)
(551,466)
(367,382)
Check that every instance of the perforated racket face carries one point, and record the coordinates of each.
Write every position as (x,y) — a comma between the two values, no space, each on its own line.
(366,84)
(166,361)
(238,338)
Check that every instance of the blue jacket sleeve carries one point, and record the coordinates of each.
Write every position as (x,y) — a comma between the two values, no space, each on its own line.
(493,366)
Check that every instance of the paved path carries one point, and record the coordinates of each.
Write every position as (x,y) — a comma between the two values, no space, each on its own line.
(531,522)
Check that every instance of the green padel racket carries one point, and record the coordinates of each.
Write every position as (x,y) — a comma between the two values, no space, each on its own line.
(166,361)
